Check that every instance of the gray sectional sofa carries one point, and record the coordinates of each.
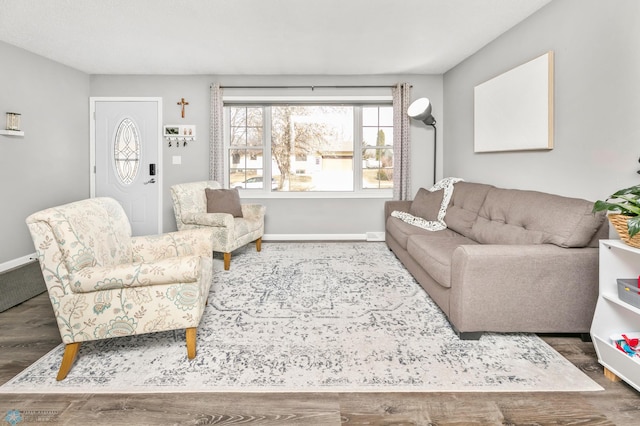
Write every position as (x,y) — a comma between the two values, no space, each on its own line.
(508,261)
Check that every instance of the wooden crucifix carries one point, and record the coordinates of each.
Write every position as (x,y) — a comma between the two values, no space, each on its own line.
(183,103)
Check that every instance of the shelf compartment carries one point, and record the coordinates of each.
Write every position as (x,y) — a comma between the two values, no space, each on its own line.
(613,315)
(622,365)
(615,299)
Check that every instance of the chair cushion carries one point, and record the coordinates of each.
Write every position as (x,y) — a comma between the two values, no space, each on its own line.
(224,201)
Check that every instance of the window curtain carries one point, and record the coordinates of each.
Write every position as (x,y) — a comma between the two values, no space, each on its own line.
(216,155)
(401,142)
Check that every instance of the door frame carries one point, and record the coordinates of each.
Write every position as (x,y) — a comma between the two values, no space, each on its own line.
(92,145)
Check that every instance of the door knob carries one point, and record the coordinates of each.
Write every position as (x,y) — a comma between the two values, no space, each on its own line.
(152,180)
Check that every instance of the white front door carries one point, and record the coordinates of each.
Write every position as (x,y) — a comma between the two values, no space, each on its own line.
(126,154)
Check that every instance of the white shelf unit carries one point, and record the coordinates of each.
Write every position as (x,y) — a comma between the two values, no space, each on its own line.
(11,132)
(612,315)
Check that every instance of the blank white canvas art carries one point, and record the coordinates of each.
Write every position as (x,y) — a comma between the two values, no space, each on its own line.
(514,111)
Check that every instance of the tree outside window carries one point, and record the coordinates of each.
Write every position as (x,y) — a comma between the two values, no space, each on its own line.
(311,147)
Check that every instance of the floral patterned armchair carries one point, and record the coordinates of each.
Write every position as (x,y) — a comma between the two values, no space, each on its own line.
(104,283)
(229,233)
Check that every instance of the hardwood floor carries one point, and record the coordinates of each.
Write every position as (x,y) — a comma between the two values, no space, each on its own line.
(28,331)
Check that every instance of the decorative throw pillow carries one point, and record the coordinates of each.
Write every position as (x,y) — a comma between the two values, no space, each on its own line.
(426,204)
(224,201)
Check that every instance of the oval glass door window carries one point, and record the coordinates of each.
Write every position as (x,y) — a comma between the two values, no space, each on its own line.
(127,151)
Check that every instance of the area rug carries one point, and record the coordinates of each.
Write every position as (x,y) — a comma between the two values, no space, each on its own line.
(312,317)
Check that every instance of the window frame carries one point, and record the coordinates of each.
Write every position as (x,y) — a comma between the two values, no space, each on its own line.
(266,103)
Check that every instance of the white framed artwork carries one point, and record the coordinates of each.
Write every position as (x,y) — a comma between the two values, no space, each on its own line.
(514,111)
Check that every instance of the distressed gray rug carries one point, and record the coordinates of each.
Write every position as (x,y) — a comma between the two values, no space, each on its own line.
(312,317)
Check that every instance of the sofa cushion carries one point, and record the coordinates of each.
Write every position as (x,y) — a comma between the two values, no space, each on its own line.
(426,204)
(464,206)
(434,253)
(511,216)
(401,231)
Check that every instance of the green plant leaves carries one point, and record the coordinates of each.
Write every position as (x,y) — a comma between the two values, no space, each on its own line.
(625,201)
(633,225)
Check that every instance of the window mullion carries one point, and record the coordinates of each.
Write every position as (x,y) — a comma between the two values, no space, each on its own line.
(266,148)
(357,148)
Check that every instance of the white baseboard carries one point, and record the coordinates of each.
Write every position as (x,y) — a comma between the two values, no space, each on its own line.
(375,236)
(369,236)
(11,264)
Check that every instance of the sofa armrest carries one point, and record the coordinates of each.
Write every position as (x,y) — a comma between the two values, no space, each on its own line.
(208,219)
(184,269)
(546,288)
(197,241)
(253,211)
(400,205)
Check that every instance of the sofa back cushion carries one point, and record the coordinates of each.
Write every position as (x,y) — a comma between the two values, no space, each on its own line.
(511,216)
(465,203)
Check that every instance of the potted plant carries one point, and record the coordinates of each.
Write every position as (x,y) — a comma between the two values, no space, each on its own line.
(624,213)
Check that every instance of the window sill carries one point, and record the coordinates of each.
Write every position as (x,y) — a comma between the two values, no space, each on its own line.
(248,194)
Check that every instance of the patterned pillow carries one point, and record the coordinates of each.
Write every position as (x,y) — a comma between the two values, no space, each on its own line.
(426,201)
(224,201)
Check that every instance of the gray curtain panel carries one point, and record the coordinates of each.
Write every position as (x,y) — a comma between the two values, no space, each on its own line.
(401,142)
(216,154)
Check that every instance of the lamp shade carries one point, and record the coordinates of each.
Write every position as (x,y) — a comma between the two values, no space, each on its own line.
(420,110)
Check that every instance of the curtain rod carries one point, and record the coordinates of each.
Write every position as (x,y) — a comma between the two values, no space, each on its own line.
(312,87)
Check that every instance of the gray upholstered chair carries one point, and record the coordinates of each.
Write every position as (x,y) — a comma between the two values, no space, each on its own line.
(229,232)
(104,283)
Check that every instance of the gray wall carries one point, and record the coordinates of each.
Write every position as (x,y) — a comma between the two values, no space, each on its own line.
(597,100)
(49,165)
(597,69)
(295,217)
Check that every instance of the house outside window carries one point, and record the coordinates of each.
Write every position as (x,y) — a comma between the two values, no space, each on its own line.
(308,148)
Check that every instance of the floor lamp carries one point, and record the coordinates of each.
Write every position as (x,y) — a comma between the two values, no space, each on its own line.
(420,110)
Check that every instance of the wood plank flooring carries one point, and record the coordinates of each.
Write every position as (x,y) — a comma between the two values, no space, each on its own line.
(28,331)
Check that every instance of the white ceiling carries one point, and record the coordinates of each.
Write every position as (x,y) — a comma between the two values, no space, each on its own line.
(249,37)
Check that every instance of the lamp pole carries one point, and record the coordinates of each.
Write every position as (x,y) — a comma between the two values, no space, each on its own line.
(435,146)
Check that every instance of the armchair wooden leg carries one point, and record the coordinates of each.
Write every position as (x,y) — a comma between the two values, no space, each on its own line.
(259,244)
(70,352)
(227,261)
(191,342)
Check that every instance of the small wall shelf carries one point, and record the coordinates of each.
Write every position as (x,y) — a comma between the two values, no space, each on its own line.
(177,134)
(11,132)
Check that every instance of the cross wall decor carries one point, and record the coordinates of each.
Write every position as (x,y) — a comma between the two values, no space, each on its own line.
(183,103)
